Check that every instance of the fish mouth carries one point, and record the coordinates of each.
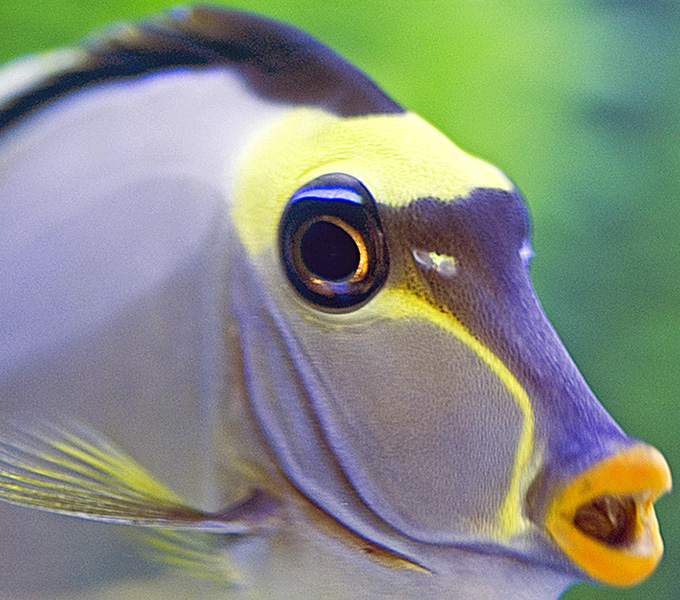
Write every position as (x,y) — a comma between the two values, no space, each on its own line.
(604,519)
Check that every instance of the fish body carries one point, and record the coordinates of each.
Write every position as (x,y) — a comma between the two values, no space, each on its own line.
(310,312)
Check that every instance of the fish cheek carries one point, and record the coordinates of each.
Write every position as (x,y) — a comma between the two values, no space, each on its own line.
(424,430)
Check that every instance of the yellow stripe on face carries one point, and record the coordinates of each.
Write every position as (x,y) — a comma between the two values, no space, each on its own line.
(400,303)
(399,158)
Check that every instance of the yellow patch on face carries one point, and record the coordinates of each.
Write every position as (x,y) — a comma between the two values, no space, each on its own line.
(398,157)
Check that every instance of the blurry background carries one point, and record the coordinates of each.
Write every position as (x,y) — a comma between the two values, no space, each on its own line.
(579,102)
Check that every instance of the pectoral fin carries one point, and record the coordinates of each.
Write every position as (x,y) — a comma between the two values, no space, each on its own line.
(78,472)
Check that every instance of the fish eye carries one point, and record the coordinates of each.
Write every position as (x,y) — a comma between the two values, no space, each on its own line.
(331,243)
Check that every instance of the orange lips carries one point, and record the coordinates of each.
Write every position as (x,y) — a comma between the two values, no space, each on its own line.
(604,519)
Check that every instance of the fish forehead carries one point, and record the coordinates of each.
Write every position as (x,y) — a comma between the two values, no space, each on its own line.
(398,157)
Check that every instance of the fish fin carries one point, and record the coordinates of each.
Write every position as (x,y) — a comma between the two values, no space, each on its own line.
(190,553)
(76,471)
(278,62)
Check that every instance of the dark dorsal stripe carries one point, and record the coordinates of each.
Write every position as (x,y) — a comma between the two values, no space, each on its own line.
(277,61)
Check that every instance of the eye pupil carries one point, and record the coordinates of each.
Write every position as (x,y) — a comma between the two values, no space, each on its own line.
(329,252)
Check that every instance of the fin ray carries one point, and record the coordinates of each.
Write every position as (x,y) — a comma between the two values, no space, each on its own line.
(76,471)
(191,553)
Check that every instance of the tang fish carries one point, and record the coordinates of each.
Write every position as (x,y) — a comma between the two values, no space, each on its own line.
(227,253)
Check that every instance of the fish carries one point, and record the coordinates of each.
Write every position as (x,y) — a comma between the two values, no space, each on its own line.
(228,252)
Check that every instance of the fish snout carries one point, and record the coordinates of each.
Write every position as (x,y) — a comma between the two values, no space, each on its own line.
(604,520)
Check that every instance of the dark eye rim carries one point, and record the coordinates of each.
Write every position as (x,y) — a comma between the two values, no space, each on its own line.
(357,216)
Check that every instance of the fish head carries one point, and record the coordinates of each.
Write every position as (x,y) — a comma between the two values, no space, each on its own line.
(423,379)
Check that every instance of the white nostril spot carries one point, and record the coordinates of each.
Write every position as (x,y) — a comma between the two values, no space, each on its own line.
(526,252)
(443,264)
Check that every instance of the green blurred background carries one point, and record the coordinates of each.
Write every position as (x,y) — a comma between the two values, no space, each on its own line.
(579,102)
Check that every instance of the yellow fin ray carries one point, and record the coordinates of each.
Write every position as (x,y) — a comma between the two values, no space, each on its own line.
(191,553)
(76,471)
